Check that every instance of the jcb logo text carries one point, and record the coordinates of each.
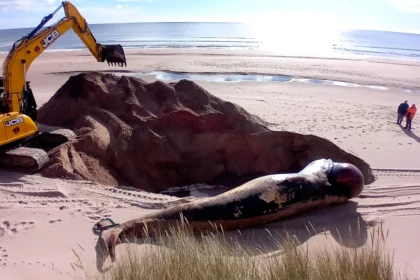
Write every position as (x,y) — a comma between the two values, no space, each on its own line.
(14,122)
(47,40)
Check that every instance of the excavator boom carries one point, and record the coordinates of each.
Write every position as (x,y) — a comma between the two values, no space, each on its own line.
(27,49)
(23,143)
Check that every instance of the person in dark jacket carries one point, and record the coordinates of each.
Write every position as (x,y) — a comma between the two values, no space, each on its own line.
(402,110)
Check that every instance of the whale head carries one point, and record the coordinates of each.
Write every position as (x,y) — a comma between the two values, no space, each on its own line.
(345,178)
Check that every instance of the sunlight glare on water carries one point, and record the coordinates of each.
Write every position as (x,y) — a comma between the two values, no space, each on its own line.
(296,35)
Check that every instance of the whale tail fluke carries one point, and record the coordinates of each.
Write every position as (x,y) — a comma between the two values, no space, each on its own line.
(108,232)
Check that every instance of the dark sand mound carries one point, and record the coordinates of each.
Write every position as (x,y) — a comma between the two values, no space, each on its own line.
(157,135)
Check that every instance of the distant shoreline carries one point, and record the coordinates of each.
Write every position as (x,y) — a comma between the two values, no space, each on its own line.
(256,53)
(285,41)
(417,32)
(235,52)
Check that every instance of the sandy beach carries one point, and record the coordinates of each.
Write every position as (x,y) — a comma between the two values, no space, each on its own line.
(43,219)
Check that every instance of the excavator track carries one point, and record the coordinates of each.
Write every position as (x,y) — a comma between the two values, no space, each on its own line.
(24,159)
(33,153)
(69,134)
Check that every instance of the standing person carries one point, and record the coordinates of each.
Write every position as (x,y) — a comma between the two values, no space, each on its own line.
(411,112)
(402,111)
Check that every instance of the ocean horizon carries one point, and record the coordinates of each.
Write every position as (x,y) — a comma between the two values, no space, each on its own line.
(222,35)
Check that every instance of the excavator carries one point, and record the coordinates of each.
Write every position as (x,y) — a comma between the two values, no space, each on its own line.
(24,143)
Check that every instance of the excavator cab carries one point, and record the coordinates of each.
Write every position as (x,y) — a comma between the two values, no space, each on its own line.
(114,55)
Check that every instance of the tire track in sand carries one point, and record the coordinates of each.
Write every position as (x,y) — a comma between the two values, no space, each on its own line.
(391,199)
(394,172)
(89,198)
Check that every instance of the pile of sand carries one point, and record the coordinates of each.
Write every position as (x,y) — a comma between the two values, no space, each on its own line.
(156,135)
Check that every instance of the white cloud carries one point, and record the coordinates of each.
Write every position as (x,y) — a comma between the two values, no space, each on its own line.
(120,14)
(34,10)
(26,5)
(412,6)
(33,5)
(135,0)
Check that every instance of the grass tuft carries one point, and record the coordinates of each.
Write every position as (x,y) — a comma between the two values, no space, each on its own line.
(177,254)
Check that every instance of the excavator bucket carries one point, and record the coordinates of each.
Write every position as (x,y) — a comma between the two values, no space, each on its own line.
(114,55)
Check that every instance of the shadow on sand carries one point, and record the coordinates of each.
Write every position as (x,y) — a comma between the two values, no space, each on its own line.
(342,221)
(9,176)
(410,133)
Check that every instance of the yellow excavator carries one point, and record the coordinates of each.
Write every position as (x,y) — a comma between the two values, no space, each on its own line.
(24,143)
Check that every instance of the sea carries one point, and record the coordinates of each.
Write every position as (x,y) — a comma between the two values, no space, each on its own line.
(366,43)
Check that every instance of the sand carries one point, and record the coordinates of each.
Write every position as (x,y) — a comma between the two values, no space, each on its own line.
(37,237)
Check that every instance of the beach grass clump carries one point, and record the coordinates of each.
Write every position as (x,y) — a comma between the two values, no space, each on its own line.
(178,254)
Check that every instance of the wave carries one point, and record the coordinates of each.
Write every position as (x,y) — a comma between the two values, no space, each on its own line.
(385,48)
(134,47)
(181,41)
(165,43)
(55,50)
(379,53)
(227,45)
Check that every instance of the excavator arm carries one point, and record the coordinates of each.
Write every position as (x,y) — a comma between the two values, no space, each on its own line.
(28,48)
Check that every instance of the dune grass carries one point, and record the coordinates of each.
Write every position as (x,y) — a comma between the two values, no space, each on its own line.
(179,255)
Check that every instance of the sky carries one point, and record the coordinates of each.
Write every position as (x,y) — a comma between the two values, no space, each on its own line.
(392,15)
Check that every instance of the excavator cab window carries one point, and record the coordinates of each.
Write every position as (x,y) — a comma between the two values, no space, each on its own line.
(3,103)
(29,106)
(1,88)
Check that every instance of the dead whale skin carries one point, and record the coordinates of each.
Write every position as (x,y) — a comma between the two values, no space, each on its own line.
(265,199)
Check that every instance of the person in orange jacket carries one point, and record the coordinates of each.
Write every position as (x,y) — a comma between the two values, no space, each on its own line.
(411,112)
